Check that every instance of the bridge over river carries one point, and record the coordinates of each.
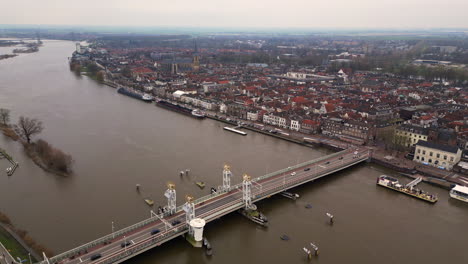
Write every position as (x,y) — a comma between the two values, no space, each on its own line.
(172,223)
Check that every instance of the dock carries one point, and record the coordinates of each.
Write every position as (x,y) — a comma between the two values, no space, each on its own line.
(235,130)
(408,189)
(12,169)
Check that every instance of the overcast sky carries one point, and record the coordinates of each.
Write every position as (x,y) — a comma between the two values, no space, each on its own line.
(240,13)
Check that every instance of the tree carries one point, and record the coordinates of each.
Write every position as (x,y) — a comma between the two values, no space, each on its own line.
(100,76)
(4,116)
(27,127)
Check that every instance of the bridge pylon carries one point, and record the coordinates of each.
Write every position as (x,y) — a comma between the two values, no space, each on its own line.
(171,198)
(189,208)
(227,174)
(247,191)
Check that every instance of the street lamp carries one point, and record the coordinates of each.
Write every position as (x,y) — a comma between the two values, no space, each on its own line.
(113,235)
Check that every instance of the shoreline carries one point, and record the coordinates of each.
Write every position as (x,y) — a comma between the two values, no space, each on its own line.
(431,178)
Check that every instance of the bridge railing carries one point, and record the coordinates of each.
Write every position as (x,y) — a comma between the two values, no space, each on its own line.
(300,165)
(100,241)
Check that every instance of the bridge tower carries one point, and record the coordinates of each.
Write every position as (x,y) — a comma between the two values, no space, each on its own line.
(247,191)
(189,208)
(227,174)
(171,198)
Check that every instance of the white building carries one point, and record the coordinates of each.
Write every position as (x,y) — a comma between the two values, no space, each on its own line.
(295,125)
(437,155)
(252,116)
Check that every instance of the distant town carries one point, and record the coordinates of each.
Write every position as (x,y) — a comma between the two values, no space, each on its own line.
(407,96)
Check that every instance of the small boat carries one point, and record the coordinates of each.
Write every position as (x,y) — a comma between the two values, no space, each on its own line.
(149,202)
(460,193)
(285,237)
(200,184)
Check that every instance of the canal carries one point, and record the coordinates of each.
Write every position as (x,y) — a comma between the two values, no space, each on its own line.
(118,142)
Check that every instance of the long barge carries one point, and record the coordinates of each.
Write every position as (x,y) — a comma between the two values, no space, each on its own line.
(181,109)
(143,97)
(393,184)
(235,131)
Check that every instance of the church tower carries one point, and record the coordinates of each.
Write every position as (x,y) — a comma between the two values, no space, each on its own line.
(196,58)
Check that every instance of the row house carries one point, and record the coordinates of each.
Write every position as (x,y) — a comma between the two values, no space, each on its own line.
(408,135)
(295,125)
(198,102)
(357,131)
(252,116)
(332,127)
(310,126)
(275,120)
(237,110)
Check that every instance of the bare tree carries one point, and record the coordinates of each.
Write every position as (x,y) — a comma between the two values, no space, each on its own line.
(4,116)
(27,127)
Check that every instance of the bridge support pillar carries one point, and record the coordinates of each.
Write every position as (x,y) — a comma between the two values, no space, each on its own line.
(227,174)
(247,191)
(171,198)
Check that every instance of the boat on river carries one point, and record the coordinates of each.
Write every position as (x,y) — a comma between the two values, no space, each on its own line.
(393,184)
(460,193)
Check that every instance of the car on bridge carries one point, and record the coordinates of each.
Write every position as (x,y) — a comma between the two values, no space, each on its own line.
(95,256)
(175,222)
(307,169)
(155,231)
(125,244)
(294,173)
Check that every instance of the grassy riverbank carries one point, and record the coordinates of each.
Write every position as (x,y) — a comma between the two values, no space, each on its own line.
(13,246)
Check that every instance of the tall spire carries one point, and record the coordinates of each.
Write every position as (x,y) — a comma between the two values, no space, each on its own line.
(195,51)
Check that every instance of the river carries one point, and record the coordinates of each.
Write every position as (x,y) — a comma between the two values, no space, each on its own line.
(118,142)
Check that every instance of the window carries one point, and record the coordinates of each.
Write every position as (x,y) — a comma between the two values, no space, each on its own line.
(417,157)
(445,157)
(451,159)
(430,153)
(438,155)
(419,151)
(422,159)
(430,160)
(424,152)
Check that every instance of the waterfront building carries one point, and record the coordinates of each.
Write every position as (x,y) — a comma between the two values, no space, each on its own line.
(437,155)
(408,135)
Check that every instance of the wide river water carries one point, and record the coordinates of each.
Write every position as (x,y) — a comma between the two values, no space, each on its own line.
(117,142)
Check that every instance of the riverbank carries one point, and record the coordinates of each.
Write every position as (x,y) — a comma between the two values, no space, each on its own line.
(7,56)
(17,242)
(15,248)
(9,132)
(408,168)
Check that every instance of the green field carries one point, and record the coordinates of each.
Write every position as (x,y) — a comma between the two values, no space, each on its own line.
(15,248)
